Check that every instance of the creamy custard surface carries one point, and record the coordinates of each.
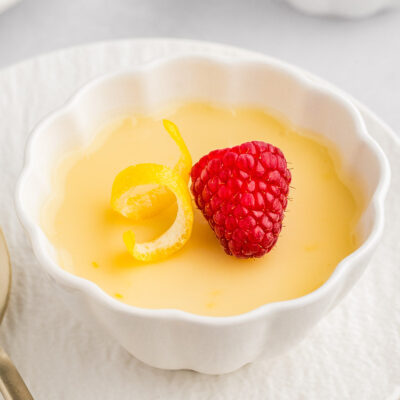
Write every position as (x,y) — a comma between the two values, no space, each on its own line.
(319,228)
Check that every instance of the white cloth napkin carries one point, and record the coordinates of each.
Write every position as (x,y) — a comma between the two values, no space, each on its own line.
(354,353)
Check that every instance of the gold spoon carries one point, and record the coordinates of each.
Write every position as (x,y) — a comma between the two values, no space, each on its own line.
(12,387)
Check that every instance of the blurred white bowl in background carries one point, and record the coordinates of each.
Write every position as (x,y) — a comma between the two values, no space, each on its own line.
(4,4)
(343,8)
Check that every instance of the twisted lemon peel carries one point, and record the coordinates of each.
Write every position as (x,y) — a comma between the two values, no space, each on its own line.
(172,183)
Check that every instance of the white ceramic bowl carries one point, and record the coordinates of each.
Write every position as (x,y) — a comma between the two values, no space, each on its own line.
(174,339)
(344,8)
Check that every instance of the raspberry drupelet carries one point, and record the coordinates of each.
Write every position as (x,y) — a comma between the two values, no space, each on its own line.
(242,192)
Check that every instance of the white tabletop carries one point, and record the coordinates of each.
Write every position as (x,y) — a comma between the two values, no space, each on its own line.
(361,56)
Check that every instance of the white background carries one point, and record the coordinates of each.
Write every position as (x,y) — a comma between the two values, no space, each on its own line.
(362,56)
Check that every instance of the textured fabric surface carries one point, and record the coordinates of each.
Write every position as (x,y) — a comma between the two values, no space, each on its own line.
(353,353)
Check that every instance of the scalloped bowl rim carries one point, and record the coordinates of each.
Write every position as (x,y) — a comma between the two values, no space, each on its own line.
(97,294)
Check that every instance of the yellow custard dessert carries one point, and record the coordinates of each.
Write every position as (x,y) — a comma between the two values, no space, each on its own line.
(319,226)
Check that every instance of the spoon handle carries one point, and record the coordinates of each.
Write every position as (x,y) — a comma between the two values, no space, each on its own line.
(12,387)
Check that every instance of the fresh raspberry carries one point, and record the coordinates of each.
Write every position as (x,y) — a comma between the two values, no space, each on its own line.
(242,192)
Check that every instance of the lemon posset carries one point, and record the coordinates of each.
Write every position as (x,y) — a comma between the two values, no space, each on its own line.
(319,228)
